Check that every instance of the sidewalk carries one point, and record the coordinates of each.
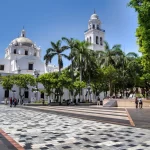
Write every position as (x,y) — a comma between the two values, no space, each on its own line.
(7,143)
(141,117)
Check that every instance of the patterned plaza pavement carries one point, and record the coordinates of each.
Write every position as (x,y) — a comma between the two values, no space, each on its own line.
(46,131)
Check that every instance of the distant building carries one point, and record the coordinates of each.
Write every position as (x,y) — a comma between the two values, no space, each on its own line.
(22,56)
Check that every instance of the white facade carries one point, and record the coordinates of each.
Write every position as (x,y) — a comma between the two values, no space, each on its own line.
(22,54)
(94,34)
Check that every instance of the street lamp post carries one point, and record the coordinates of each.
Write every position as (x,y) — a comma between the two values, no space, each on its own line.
(89,91)
(36,74)
(19,70)
(74,74)
(49,70)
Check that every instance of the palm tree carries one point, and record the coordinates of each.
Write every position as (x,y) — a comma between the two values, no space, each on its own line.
(71,43)
(89,65)
(81,55)
(123,60)
(110,55)
(56,50)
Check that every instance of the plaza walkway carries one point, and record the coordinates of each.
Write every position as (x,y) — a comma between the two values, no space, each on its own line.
(109,115)
(141,117)
(7,143)
(41,130)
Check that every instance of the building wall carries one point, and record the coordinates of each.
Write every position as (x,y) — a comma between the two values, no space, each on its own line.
(93,33)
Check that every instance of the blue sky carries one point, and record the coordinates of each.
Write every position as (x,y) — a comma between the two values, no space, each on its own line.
(49,20)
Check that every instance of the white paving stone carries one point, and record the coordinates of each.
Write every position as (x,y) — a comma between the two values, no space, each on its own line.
(37,130)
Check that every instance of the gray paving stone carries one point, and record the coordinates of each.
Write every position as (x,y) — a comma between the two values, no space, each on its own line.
(39,130)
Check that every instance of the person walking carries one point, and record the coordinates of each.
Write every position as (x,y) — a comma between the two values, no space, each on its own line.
(140,102)
(101,101)
(98,101)
(136,102)
(15,102)
(11,102)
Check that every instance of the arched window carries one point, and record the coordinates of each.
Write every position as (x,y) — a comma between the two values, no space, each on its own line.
(6,94)
(26,93)
(87,39)
(42,95)
(90,39)
(101,41)
(93,26)
(97,40)
(98,27)
(26,52)
(14,51)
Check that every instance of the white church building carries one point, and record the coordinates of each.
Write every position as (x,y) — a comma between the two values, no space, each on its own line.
(23,56)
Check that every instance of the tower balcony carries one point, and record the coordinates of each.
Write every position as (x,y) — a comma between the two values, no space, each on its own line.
(95,29)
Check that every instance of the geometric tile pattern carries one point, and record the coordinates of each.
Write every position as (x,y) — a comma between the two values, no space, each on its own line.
(46,131)
(109,115)
(7,143)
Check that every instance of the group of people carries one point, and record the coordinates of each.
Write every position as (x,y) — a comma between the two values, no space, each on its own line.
(138,102)
(13,101)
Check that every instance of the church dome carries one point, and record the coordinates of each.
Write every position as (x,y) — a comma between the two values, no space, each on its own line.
(22,41)
(94,16)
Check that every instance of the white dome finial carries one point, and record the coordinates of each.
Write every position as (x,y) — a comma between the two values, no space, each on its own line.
(23,32)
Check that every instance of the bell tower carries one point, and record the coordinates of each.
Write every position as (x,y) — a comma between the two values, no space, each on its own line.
(94,34)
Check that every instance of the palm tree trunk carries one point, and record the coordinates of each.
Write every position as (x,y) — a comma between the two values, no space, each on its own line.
(72,77)
(110,88)
(59,70)
(80,76)
(59,64)
(20,95)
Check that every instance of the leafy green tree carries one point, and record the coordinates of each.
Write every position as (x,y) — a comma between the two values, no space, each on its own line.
(110,74)
(7,82)
(64,81)
(81,53)
(71,43)
(81,57)
(142,7)
(127,68)
(109,55)
(97,82)
(56,50)
(23,81)
(78,85)
(145,81)
(55,81)
(48,80)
